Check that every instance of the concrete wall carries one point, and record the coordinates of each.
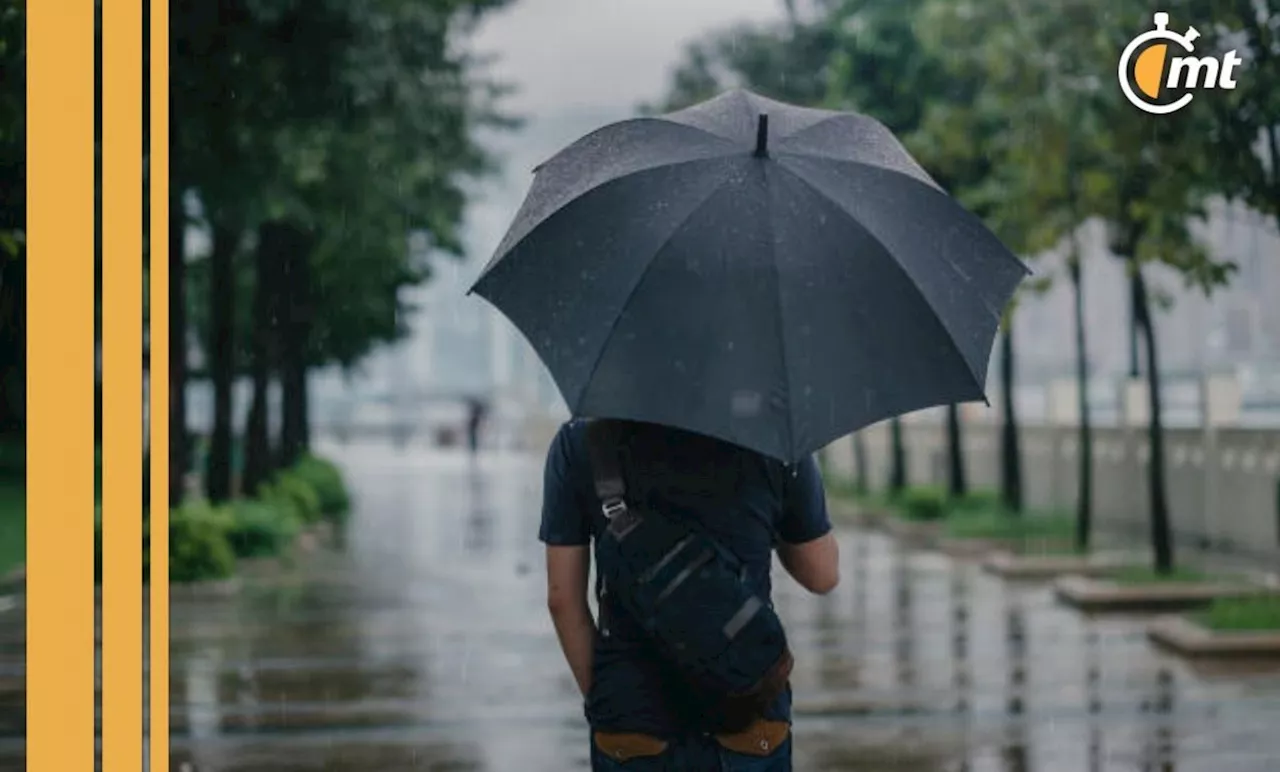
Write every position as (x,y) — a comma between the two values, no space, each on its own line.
(1223,480)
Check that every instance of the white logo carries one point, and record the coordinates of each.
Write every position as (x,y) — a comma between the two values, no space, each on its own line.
(1152,79)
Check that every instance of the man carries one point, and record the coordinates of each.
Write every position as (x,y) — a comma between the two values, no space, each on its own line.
(642,715)
(476,410)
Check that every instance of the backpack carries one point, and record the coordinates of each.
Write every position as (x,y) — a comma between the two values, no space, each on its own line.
(690,596)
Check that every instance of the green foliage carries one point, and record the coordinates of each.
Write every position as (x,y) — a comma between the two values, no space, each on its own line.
(995,523)
(984,500)
(261,528)
(325,479)
(355,122)
(923,503)
(293,494)
(13,525)
(1255,613)
(199,547)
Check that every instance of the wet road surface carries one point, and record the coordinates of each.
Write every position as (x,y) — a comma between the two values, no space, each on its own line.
(424,644)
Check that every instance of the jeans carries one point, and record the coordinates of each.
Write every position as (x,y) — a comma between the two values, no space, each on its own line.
(696,754)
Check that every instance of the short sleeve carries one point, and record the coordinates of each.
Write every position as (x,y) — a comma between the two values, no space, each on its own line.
(564,521)
(804,511)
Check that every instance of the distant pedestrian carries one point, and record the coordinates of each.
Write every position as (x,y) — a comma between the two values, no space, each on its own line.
(476,411)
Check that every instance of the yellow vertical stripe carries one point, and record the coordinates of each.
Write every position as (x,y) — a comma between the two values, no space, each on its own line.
(122,385)
(159,343)
(60,664)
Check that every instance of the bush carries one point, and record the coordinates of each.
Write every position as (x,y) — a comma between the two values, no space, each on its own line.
(261,528)
(325,479)
(290,493)
(198,545)
(923,503)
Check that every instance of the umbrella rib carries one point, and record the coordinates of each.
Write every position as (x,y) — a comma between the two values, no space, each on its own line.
(978,381)
(926,185)
(782,330)
(613,326)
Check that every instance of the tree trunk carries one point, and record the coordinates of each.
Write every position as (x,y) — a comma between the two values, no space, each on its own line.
(1135,369)
(1161,537)
(957,482)
(257,442)
(1010,455)
(1084,491)
(13,363)
(295,339)
(222,360)
(179,444)
(897,458)
(860,463)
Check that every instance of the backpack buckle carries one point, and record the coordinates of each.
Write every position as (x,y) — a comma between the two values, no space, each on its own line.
(613,507)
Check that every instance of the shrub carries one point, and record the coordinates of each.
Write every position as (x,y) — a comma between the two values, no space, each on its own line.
(290,493)
(261,528)
(325,479)
(923,503)
(198,545)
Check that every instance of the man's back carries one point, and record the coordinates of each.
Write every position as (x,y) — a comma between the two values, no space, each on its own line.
(747,503)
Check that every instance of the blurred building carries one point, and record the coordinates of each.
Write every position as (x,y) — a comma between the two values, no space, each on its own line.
(1237,328)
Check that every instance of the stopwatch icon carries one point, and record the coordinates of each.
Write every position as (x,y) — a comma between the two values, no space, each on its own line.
(1151,64)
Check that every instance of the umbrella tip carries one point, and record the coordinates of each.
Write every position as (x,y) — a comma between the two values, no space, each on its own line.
(762,136)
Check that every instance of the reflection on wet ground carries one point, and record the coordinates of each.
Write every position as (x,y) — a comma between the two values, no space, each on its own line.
(425,645)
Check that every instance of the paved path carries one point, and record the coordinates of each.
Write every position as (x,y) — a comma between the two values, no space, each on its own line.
(425,645)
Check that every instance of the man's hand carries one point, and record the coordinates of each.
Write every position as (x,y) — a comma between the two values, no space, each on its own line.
(567,578)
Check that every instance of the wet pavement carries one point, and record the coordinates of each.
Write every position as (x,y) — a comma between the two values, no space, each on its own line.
(424,644)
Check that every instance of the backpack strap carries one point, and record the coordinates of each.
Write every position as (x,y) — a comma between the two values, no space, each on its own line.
(602,446)
(606,472)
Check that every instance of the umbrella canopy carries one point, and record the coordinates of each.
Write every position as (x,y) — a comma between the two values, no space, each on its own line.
(771,275)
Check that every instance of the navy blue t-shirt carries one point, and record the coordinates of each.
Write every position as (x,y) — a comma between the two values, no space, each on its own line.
(747,502)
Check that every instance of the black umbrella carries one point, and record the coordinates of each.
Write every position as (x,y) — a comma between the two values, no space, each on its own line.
(772,275)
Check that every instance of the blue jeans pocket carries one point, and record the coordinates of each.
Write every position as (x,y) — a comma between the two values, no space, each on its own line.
(778,761)
(628,753)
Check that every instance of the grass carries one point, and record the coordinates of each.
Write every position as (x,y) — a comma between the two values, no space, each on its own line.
(1147,575)
(13,525)
(998,525)
(1261,612)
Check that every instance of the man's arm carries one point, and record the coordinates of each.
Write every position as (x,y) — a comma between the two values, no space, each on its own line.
(807,546)
(567,579)
(815,564)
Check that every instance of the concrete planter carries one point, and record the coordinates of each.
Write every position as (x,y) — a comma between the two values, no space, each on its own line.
(1191,639)
(1099,595)
(1010,565)
(969,549)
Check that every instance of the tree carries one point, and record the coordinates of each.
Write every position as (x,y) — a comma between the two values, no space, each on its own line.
(1243,123)
(966,136)
(13,313)
(352,128)
(1153,179)
(1045,165)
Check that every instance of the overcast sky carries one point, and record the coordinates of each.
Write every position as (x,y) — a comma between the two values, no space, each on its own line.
(576,65)
(601,54)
